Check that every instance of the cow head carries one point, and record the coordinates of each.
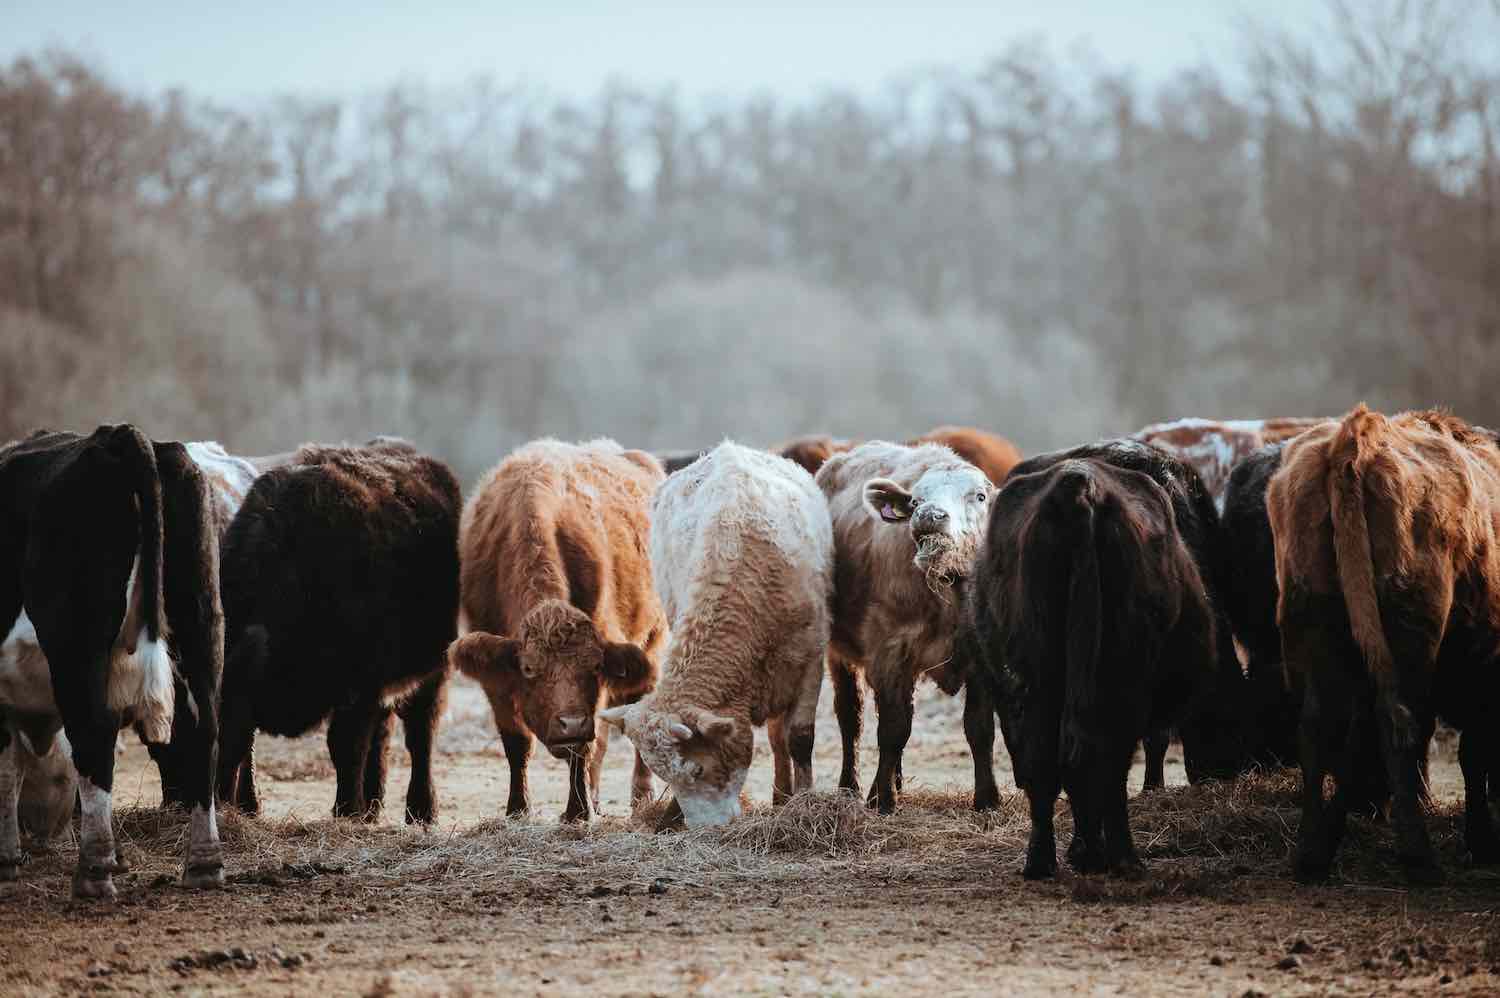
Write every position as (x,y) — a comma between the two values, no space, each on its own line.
(704,756)
(946,512)
(558,669)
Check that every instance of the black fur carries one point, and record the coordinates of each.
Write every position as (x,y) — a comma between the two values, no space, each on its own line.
(1088,620)
(340,581)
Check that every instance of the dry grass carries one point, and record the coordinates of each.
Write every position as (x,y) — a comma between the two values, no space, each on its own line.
(1192,838)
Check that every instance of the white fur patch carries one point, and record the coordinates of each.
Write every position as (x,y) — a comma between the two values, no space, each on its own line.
(140,682)
(95,828)
(705,808)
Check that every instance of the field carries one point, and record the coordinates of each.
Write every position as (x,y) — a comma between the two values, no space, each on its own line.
(821,897)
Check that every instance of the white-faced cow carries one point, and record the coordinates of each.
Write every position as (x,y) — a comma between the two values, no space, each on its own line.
(107,544)
(907,522)
(742,552)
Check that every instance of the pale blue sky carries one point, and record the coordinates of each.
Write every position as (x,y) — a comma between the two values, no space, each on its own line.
(793,50)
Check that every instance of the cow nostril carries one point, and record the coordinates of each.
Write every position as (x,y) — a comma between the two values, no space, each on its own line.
(571,725)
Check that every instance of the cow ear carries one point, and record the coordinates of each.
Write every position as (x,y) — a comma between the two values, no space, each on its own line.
(626,668)
(494,661)
(713,727)
(887,501)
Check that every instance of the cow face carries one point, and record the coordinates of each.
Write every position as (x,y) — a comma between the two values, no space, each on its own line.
(946,512)
(705,757)
(558,671)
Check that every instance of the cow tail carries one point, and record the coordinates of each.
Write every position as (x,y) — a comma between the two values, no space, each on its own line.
(1351,450)
(131,446)
(156,694)
(1085,622)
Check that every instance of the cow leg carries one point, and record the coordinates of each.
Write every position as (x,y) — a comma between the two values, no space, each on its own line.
(641,788)
(1405,723)
(578,785)
(1041,847)
(10,794)
(1086,851)
(1109,794)
(94,755)
(349,733)
(781,786)
(1317,734)
(518,754)
(801,721)
(1155,744)
(1475,752)
(420,713)
(596,765)
(979,729)
(237,753)
(375,763)
(894,709)
(849,708)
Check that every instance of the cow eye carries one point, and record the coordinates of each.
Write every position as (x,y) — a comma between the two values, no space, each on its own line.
(979,497)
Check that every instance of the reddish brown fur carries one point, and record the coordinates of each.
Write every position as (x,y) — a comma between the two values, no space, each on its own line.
(811,451)
(991,454)
(1389,572)
(556,585)
(1214,447)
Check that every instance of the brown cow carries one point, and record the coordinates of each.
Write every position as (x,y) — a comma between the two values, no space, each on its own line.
(907,522)
(556,584)
(1389,571)
(1214,447)
(743,558)
(991,454)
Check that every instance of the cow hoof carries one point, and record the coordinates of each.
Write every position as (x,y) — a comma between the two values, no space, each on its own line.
(1309,870)
(1422,872)
(1129,869)
(672,818)
(575,817)
(987,802)
(1039,868)
(91,888)
(204,877)
(10,868)
(423,818)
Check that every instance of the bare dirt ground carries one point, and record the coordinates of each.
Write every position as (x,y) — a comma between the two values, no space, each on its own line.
(822,897)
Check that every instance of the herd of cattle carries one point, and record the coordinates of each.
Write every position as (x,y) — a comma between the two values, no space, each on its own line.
(1317,591)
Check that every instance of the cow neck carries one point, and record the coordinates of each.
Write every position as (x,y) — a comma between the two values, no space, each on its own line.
(697,675)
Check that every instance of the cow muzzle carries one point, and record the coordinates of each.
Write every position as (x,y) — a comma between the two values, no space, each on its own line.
(570,729)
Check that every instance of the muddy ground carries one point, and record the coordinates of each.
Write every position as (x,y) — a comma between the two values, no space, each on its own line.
(827,899)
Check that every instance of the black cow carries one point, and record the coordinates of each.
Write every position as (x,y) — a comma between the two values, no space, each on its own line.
(1212,727)
(341,598)
(107,543)
(1250,595)
(1088,619)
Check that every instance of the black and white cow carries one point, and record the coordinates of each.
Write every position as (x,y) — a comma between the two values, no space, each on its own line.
(107,543)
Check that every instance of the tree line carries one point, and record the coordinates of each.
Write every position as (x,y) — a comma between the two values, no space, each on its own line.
(1045,247)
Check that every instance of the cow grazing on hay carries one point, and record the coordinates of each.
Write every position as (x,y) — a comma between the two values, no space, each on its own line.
(557,588)
(340,579)
(1213,447)
(742,552)
(108,545)
(1212,726)
(1088,617)
(1389,571)
(907,522)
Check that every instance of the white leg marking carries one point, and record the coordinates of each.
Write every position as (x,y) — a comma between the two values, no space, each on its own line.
(204,866)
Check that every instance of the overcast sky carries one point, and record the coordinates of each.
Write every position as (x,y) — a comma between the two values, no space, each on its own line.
(793,50)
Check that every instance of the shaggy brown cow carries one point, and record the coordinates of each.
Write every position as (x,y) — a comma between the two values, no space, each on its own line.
(1389,571)
(557,588)
(743,557)
(907,522)
(1214,447)
(991,454)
